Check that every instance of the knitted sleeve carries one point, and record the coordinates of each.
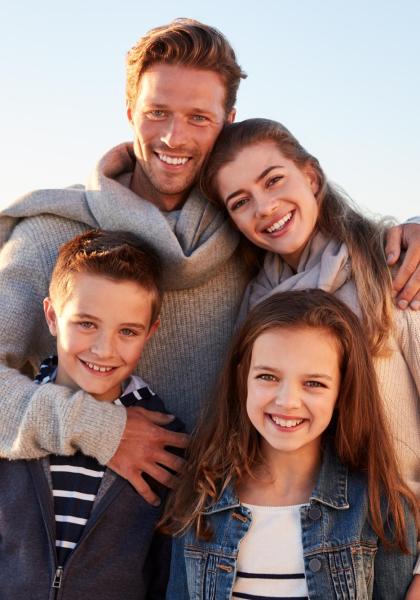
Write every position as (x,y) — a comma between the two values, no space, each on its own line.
(39,420)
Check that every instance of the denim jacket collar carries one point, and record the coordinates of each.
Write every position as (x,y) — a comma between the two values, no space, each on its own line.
(331,487)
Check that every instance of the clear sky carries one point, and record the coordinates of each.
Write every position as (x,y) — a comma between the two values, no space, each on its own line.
(344,77)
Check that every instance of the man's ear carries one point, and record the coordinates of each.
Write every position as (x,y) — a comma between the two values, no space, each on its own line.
(129,112)
(153,329)
(231,116)
(50,316)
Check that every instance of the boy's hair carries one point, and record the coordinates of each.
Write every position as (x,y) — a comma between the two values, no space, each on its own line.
(117,255)
(337,218)
(226,447)
(189,43)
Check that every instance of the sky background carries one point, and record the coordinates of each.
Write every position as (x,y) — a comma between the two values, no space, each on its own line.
(343,77)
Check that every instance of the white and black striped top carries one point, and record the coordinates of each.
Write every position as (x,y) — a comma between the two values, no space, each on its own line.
(76,479)
(270,559)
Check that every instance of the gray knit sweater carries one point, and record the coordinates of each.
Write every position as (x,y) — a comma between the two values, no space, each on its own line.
(204,280)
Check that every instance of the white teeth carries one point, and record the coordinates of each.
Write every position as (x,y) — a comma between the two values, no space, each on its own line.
(286,422)
(280,224)
(173,160)
(98,368)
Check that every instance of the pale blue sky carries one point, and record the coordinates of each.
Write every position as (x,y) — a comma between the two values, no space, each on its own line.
(344,77)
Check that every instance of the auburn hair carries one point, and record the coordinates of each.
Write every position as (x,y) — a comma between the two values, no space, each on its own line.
(117,255)
(189,43)
(226,447)
(338,218)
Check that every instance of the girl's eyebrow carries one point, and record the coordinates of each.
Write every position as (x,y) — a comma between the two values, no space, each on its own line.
(274,370)
(261,176)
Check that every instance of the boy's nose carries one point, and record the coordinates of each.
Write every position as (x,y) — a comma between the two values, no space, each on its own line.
(102,346)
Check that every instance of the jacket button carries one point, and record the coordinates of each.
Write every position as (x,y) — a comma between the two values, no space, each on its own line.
(315,513)
(315,565)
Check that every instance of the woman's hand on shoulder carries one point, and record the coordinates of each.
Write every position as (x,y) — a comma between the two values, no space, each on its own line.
(406,283)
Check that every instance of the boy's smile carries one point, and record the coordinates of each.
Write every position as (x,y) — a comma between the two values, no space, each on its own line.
(101,330)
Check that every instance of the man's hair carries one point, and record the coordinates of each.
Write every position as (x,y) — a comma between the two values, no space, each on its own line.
(189,43)
(116,255)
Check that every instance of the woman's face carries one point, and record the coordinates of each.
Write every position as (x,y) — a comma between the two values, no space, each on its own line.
(270,199)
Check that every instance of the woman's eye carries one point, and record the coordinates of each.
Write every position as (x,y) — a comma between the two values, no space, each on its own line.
(86,324)
(274,180)
(238,203)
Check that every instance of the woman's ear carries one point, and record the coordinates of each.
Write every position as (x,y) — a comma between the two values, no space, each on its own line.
(50,316)
(312,177)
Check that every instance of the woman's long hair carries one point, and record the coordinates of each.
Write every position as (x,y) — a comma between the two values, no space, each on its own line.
(337,219)
(226,446)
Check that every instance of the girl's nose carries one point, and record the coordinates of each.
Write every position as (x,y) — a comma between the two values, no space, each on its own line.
(288,396)
(265,204)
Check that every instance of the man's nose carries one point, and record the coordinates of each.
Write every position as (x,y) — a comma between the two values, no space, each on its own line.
(176,132)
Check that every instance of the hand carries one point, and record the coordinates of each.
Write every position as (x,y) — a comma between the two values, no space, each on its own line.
(413,592)
(406,283)
(142,449)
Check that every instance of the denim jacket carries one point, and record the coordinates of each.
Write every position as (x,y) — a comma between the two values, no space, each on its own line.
(342,554)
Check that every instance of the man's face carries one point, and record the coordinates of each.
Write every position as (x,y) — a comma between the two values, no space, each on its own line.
(179,113)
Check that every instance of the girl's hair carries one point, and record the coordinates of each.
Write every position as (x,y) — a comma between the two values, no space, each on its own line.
(337,218)
(226,446)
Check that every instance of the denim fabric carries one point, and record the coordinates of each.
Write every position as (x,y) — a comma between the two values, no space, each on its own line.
(343,556)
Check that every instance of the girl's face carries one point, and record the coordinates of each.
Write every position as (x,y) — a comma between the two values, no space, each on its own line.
(293,385)
(270,199)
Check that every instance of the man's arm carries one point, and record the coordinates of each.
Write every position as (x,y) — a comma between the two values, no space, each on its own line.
(38,420)
(406,282)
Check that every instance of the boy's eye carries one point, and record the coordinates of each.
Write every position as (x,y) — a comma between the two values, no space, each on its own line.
(127,332)
(86,324)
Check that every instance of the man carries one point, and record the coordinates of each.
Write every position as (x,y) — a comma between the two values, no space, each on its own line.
(182,81)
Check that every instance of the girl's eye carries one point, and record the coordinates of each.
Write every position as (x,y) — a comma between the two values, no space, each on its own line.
(238,203)
(267,377)
(127,332)
(315,384)
(274,180)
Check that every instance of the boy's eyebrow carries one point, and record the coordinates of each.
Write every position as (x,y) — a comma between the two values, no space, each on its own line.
(261,176)
(274,370)
(134,325)
(86,316)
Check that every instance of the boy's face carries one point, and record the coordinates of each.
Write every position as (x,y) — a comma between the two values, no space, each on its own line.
(101,331)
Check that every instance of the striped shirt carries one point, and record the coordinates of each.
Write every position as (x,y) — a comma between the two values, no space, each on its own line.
(76,479)
(270,560)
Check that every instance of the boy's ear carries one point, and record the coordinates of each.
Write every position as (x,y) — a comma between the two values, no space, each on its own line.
(153,328)
(50,316)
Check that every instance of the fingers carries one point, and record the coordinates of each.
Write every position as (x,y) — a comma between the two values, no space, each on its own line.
(410,293)
(407,279)
(393,244)
(154,416)
(143,489)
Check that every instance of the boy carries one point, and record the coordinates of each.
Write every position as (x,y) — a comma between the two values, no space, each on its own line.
(70,528)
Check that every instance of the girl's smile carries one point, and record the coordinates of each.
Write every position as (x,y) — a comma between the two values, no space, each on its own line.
(271,200)
(292,393)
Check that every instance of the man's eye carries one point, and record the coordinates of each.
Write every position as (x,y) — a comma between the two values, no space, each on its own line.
(199,119)
(156,114)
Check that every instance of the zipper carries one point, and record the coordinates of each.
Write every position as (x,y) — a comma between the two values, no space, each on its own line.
(57,578)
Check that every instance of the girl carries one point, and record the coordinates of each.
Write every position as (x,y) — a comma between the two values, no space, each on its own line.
(279,198)
(292,489)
